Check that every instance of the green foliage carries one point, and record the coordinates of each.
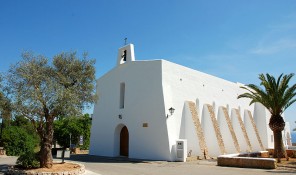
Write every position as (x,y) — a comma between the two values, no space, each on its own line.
(17,140)
(5,108)
(21,121)
(61,88)
(75,126)
(5,102)
(28,160)
(1,90)
(43,91)
(1,93)
(276,96)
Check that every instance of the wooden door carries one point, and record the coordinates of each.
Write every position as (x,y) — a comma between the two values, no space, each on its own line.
(124,141)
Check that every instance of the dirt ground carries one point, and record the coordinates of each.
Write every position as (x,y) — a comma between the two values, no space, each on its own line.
(290,163)
(58,167)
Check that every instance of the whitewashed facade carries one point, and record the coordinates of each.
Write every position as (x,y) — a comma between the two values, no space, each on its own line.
(132,117)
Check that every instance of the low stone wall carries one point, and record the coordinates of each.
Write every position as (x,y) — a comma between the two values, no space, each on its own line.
(233,160)
(290,152)
(79,151)
(261,154)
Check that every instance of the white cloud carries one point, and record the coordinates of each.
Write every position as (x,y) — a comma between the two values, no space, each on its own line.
(275,46)
(279,37)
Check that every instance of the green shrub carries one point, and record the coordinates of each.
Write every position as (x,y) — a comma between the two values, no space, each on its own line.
(76,126)
(17,140)
(28,160)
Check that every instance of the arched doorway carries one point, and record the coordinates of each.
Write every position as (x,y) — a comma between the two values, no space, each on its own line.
(124,141)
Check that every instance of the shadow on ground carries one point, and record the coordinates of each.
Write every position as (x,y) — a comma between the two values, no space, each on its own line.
(3,168)
(101,159)
(282,171)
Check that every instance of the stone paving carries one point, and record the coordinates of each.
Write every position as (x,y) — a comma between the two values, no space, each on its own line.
(124,166)
(96,165)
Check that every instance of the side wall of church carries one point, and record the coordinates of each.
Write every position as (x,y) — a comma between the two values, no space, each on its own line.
(182,84)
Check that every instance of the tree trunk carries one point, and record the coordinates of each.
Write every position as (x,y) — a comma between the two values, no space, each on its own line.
(46,144)
(277,125)
(279,149)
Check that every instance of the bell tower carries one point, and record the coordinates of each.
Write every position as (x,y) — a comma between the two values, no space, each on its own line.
(126,54)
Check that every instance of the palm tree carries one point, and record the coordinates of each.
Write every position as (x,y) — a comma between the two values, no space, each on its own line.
(276,96)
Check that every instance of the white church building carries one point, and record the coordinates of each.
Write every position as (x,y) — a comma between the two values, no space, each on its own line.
(160,110)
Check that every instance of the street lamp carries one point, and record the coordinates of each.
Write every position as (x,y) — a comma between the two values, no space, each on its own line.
(171,110)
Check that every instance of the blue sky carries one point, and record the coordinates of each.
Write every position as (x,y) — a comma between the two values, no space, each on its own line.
(232,39)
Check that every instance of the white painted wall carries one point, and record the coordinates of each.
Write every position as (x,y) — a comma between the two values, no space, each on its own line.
(181,83)
(151,88)
(261,117)
(188,132)
(251,132)
(226,132)
(143,104)
(287,131)
(209,133)
(239,132)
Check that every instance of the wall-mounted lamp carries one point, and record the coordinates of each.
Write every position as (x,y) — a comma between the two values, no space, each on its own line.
(120,116)
(171,110)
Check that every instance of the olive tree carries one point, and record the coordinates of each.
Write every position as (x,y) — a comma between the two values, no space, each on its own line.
(43,91)
(5,107)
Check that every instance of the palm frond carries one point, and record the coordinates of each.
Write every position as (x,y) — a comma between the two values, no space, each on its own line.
(276,95)
(289,104)
(279,80)
(288,96)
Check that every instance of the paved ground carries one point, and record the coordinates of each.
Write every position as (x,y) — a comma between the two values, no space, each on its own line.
(121,166)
